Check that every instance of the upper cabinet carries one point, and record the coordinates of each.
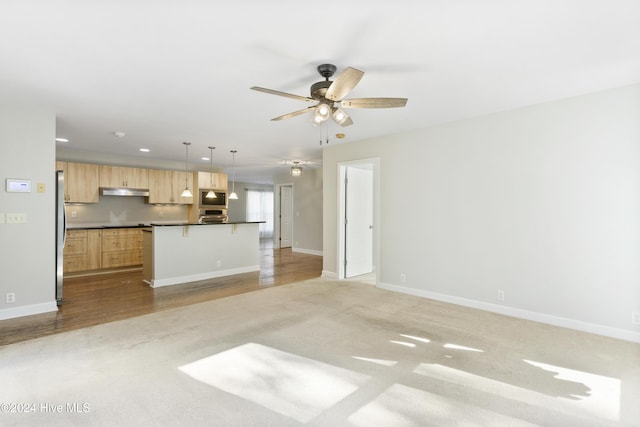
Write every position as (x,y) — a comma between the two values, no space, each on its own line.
(166,186)
(212,181)
(81,182)
(118,177)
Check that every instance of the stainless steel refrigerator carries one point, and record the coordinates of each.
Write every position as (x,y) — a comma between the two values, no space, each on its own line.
(61,232)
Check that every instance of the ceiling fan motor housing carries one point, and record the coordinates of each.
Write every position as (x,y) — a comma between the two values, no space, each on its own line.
(319,89)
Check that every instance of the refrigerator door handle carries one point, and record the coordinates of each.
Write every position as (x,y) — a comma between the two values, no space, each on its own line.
(64,226)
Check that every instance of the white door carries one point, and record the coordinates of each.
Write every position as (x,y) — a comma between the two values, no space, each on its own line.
(358,220)
(286,216)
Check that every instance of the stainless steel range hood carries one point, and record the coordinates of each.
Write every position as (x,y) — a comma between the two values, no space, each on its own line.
(124,192)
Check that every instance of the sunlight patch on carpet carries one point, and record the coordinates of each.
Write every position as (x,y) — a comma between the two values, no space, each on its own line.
(383,362)
(462,347)
(413,337)
(603,398)
(570,392)
(404,343)
(295,386)
(400,405)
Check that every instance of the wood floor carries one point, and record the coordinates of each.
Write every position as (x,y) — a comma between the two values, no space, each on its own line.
(96,299)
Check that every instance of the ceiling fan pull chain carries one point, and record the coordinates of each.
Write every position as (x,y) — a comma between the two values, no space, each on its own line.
(327,138)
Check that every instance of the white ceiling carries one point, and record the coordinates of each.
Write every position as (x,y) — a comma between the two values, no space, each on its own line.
(165,72)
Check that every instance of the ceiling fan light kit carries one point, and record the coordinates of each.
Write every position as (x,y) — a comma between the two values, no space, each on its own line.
(327,93)
(296,170)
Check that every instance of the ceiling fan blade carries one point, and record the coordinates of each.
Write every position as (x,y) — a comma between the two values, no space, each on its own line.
(374,102)
(285,94)
(343,84)
(293,114)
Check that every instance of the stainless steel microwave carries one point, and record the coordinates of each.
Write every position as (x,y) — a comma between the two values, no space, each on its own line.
(220,201)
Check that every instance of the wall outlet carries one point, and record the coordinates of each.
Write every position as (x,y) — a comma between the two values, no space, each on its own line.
(403,278)
(500,295)
(74,214)
(16,218)
(635,317)
(11,297)
(218,263)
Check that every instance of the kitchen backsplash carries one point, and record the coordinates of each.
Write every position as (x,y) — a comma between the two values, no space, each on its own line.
(120,210)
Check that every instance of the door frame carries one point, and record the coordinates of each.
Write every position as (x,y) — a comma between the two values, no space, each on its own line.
(342,167)
(276,214)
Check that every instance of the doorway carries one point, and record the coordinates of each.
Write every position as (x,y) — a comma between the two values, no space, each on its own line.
(284,207)
(358,234)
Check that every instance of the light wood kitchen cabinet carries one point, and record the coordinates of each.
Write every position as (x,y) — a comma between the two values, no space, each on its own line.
(166,186)
(82,250)
(212,181)
(119,177)
(81,182)
(121,247)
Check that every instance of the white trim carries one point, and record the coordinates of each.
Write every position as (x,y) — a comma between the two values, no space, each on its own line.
(157,283)
(306,251)
(340,253)
(329,275)
(276,214)
(28,310)
(564,322)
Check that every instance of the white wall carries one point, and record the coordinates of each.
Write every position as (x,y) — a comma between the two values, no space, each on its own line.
(542,203)
(27,264)
(307,208)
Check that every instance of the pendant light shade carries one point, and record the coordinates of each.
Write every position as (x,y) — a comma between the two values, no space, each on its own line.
(186,192)
(211,194)
(233,195)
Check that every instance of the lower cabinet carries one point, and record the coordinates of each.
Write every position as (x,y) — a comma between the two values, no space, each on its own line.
(96,249)
(82,250)
(121,247)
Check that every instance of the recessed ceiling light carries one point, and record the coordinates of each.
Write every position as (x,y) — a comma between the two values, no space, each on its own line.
(145,150)
(62,140)
(205,158)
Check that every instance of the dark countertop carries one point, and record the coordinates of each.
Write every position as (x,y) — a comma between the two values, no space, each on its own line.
(210,223)
(150,224)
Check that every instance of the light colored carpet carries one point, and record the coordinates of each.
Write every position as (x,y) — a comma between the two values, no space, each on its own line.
(321,353)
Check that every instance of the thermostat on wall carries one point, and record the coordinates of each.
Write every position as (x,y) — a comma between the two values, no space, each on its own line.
(18,185)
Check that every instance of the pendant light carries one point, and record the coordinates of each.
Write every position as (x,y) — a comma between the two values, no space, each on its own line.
(233,195)
(211,194)
(186,192)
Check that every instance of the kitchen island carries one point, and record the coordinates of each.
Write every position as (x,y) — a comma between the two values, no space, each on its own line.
(181,253)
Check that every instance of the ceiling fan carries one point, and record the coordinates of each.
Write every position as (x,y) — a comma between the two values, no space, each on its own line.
(328,97)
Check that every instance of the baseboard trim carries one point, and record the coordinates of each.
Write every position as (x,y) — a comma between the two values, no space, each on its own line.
(306,251)
(563,322)
(28,310)
(329,274)
(157,283)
